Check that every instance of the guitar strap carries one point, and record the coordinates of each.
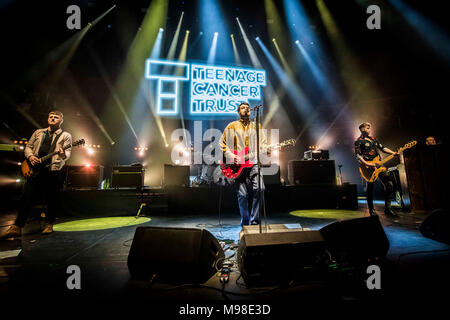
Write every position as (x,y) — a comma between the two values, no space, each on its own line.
(52,147)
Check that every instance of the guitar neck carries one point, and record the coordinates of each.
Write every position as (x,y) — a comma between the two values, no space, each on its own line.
(406,146)
(388,158)
(48,156)
(269,148)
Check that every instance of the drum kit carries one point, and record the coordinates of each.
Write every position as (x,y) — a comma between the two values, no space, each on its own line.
(210,174)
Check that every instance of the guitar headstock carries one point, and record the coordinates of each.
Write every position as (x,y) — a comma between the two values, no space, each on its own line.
(78,143)
(287,143)
(408,145)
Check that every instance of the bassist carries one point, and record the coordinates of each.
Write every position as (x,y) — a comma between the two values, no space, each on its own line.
(48,180)
(367,149)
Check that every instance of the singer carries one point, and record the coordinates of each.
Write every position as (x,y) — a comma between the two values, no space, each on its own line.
(239,135)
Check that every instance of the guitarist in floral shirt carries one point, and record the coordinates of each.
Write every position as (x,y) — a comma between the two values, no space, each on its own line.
(366,149)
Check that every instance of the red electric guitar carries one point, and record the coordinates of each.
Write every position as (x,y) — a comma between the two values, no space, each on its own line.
(234,170)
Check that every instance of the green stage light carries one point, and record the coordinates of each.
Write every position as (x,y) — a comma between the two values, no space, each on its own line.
(99,224)
(334,214)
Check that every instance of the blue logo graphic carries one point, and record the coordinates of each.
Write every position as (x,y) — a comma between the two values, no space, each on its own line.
(213,89)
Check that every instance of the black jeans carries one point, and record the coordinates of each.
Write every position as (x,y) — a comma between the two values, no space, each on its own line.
(44,188)
(388,184)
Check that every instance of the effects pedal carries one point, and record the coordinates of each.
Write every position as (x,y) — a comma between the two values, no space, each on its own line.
(225,275)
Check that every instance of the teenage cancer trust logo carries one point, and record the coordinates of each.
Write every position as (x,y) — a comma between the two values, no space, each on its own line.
(214,90)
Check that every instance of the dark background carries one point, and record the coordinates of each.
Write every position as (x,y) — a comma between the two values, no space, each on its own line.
(412,80)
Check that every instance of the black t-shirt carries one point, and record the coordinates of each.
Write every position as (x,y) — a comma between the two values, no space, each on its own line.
(46,144)
(367,149)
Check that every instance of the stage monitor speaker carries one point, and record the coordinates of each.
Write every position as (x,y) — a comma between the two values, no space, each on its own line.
(357,241)
(175,175)
(311,172)
(84,176)
(437,226)
(127,176)
(174,255)
(277,256)
(272,178)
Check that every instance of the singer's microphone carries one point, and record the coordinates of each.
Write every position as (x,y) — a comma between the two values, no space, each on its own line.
(256,108)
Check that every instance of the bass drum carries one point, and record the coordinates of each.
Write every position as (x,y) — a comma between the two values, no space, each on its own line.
(220,179)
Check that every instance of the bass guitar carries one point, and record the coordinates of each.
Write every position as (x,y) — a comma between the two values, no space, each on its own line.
(234,170)
(30,171)
(370,174)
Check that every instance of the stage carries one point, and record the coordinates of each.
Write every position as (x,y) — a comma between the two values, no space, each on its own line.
(38,268)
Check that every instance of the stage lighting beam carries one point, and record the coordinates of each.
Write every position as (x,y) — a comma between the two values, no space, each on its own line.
(173,44)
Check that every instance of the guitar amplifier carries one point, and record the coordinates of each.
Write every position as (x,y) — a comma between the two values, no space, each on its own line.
(84,176)
(311,172)
(272,178)
(316,155)
(175,175)
(127,176)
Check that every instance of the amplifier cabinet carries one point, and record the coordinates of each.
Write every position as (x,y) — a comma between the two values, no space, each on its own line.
(84,176)
(127,177)
(311,172)
(175,175)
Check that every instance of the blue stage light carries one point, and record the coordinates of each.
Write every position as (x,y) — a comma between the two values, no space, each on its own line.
(212,16)
(430,32)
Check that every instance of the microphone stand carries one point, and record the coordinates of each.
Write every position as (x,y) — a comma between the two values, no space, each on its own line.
(258,162)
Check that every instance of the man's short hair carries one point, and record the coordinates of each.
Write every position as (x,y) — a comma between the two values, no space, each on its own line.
(242,103)
(57,112)
(362,125)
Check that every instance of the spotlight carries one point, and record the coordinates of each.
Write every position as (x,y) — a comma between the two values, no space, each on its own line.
(113,143)
(21,147)
(187,31)
(297,42)
(15,141)
(257,38)
(87,165)
(161,29)
(216,34)
(17,180)
(167,145)
(231,35)
(141,153)
(273,40)
(19,163)
(90,151)
(201,33)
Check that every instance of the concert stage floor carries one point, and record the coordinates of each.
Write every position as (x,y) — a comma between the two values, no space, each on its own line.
(34,267)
